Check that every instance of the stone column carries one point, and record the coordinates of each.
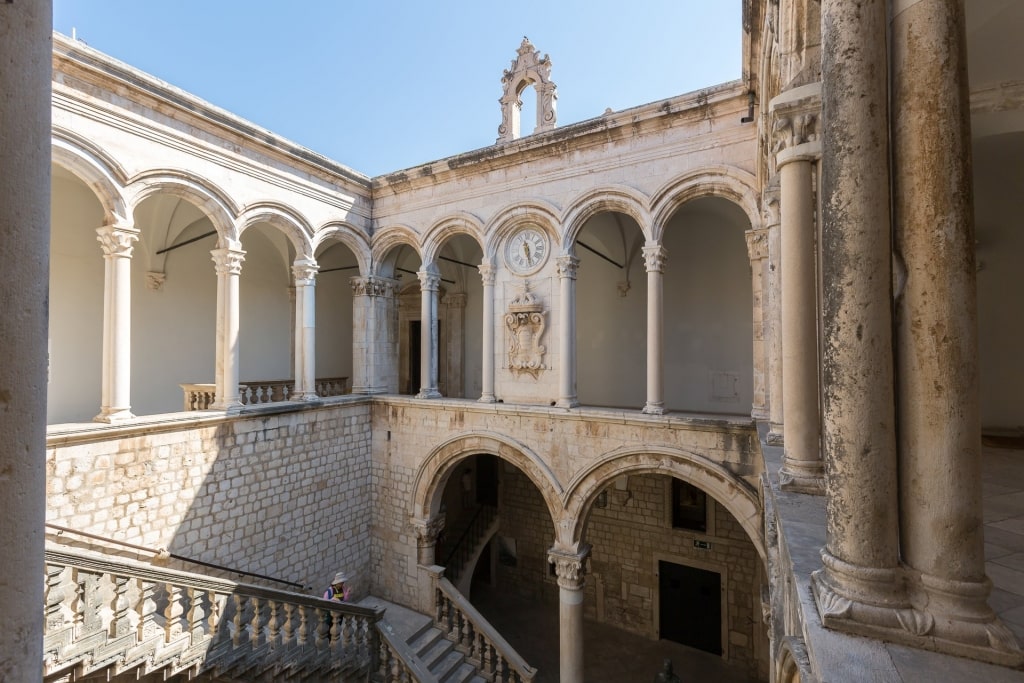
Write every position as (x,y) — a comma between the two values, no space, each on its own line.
(304,389)
(117,242)
(430,282)
(757,253)
(570,568)
(373,335)
(795,127)
(25,30)
(487,272)
(654,259)
(427,533)
(936,333)
(859,588)
(567,266)
(773,326)
(228,262)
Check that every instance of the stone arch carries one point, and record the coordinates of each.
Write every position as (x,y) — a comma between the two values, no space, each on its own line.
(618,198)
(734,494)
(284,219)
(386,239)
(535,212)
(350,236)
(528,68)
(460,223)
(207,197)
(435,469)
(727,182)
(792,663)
(95,168)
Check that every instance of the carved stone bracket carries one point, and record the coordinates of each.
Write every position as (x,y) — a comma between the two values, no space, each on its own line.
(757,244)
(528,68)
(525,323)
(155,280)
(570,567)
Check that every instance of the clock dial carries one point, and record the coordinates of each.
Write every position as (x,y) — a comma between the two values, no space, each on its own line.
(527,249)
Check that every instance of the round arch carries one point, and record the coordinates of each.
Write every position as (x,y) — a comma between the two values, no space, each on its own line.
(386,239)
(617,198)
(460,223)
(350,236)
(93,167)
(734,494)
(284,219)
(727,182)
(206,196)
(503,223)
(435,469)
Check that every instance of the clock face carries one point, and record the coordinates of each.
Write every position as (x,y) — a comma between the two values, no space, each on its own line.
(526,250)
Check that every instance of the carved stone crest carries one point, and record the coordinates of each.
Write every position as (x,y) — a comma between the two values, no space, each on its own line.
(525,322)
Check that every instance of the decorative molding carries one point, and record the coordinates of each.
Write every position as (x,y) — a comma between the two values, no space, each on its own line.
(525,323)
(790,131)
(373,286)
(427,530)
(529,68)
(623,287)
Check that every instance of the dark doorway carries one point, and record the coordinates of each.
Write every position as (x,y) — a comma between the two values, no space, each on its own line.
(691,606)
(487,480)
(414,357)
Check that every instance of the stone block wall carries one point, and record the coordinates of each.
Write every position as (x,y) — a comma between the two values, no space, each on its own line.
(284,494)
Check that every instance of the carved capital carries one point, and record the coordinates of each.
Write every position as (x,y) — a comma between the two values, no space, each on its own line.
(770,208)
(117,241)
(429,281)
(427,530)
(373,286)
(795,121)
(570,567)
(304,271)
(567,267)
(487,273)
(757,244)
(655,257)
(155,280)
(228,261)
(623,287)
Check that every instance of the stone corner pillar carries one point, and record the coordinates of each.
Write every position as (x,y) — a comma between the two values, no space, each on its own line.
(655,257)
(374,335)
(570,568)
(304,389)
(773,310)
(117,242)
(228,261)
(757,254)
(430,284)
(487,275)
(567,267)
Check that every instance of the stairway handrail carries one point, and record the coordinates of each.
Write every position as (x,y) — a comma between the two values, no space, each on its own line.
(481,625)
(413,666)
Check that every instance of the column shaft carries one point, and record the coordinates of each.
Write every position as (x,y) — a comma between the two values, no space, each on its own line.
(229,267)
(373,347)
(802,468)
(773,327)
(567,266)
(430,281)
(569,567)
(487,381)
(304,389)
(25,30)
(654,257)
(117,244)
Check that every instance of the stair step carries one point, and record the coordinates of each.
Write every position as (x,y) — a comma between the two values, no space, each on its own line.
(445,667)
(436,652)
(425,640)
(463,673)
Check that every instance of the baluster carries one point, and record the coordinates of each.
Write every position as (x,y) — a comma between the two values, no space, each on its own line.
(333,621)
(215,610)
(320,632)
(438,605)
(54,597)
(468,633)
(346,635)
(91,601)
(237,620)
(254,621)
(119,624)
(288,629)
(384,668)
(195,614)
(272,629)
(303,625)
(146,609)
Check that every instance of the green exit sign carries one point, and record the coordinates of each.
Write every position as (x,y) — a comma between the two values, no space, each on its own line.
(702,545)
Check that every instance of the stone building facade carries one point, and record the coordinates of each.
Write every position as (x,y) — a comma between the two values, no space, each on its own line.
(768,295)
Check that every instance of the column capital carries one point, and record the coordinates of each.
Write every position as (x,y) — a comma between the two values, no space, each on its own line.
(117,241)
(427,530)
(757,244)
(655,257)
(487,273)
(570,566)
(304,271)
(567,266)
(373,285)
(228,261)
(430,281)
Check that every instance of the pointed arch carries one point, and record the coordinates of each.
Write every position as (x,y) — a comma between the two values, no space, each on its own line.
(535,212)
(435,469)
(459,223)
(284,219)
(349,235)
(732,492)
(206,196)
(618,198)
(728,182)
(94,167)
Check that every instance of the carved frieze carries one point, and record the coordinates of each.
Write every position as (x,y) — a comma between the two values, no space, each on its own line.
(525,322)
(373,286)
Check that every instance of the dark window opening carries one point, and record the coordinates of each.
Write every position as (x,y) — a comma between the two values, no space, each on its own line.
(689,507)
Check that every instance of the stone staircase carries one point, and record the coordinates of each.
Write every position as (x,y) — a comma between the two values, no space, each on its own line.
(469,538)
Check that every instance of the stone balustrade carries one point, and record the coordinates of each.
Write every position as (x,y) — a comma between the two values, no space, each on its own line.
(481,644)
(201,396)
(115,616)
(398,663)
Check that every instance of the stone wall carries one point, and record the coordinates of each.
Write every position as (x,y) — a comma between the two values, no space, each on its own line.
(278,493)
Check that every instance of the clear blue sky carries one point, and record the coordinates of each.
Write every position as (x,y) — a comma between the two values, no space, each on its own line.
(381,85)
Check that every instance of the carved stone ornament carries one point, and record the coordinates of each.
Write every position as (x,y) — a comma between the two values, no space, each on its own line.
(525,323)
(570,568)
(373,286)
(155,280)
(304,271)
(528,68)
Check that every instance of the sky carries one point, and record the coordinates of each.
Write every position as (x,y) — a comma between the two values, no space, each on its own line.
(383,85)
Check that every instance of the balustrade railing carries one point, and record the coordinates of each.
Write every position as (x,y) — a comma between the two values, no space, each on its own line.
(472,635)
(462,551)
(201,396)
(398,663)
(119,616)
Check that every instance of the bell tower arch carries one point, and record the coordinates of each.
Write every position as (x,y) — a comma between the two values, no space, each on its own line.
(528,69)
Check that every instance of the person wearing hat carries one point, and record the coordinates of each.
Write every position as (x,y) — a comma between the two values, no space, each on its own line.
(338,590)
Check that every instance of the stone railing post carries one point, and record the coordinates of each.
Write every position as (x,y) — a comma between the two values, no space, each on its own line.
(304,271)
(654,259)
(228,261)
(570,568)
(567,267)
(117,242)
(487,274)
(430,282)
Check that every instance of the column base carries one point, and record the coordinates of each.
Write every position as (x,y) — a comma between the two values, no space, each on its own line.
(114,415)
(230,405)
(487,398)
(654,408)
(801,476)
(369,390)
(572,402)
(305,396)
(871,602)
(429,393)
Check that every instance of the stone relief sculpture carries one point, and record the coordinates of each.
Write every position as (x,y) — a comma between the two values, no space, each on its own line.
(529,68)
(525,323)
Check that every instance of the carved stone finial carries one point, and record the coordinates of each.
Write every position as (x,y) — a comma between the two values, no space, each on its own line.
(529,68)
